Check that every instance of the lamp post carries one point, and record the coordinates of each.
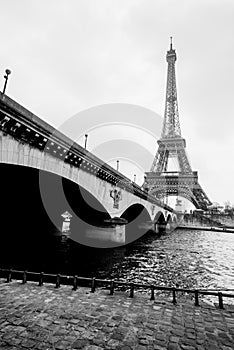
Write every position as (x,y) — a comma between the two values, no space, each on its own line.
(86,136)
(117,165)
(134,178)
(8,72)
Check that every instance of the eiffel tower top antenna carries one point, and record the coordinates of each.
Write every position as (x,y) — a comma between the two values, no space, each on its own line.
(171,123)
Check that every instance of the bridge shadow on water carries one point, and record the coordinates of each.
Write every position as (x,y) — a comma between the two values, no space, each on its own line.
(32,240)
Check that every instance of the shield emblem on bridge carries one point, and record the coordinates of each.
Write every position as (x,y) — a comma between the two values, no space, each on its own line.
(117,196)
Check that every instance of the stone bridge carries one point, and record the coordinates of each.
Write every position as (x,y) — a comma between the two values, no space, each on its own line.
(27,141)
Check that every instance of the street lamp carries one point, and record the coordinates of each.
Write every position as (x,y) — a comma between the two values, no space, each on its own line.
(117,165)
(8,72)
(86,136)
(134,178)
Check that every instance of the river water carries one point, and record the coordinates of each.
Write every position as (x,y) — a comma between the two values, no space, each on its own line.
(183,258)
(189,259)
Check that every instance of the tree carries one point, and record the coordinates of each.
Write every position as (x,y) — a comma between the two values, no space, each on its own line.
(229,208)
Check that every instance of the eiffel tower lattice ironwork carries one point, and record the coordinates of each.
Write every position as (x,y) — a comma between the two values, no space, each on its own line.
(160,181)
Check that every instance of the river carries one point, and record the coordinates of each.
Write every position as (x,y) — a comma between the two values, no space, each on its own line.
(183,258)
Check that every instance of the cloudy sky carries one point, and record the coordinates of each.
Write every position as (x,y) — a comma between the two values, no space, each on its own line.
(70,56)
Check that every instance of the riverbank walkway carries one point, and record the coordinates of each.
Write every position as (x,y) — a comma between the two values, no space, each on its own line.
(207,228)
(33,317)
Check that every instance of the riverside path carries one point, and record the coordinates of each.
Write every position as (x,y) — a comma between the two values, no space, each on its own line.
(33,317)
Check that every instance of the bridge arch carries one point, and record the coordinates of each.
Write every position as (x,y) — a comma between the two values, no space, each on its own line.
(169,218)
(159,223)
(17,153)
(21,189)
(159,217)
(138,222)
(169,223)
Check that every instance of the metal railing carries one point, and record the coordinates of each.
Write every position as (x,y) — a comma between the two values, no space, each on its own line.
(93,283)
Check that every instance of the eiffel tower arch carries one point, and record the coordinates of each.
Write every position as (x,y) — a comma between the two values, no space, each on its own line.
(160,181)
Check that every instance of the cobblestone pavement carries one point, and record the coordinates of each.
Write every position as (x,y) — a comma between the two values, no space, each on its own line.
(33,317)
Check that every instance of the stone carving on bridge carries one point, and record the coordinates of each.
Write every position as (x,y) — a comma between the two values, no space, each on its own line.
(117,196)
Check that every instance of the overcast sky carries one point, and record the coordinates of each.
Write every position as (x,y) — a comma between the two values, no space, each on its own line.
(67,56)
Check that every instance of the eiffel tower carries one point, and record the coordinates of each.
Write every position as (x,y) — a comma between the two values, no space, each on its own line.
(161,182)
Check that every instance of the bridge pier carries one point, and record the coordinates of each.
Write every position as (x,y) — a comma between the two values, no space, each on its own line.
(160,227)
(168,226)
(118,226)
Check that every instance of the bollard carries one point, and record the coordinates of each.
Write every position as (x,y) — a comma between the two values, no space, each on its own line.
(75,282)
(220,296)
(196,298)
(152,293)
(41,279)
(9,276)
(93,285)
(173,296)
(131,291)
(57,284)
(24,278)
(112,284)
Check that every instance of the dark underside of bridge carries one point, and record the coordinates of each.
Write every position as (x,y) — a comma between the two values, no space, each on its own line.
(31,223)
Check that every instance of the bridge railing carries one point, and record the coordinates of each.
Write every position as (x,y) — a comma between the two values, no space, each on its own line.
(93,283)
